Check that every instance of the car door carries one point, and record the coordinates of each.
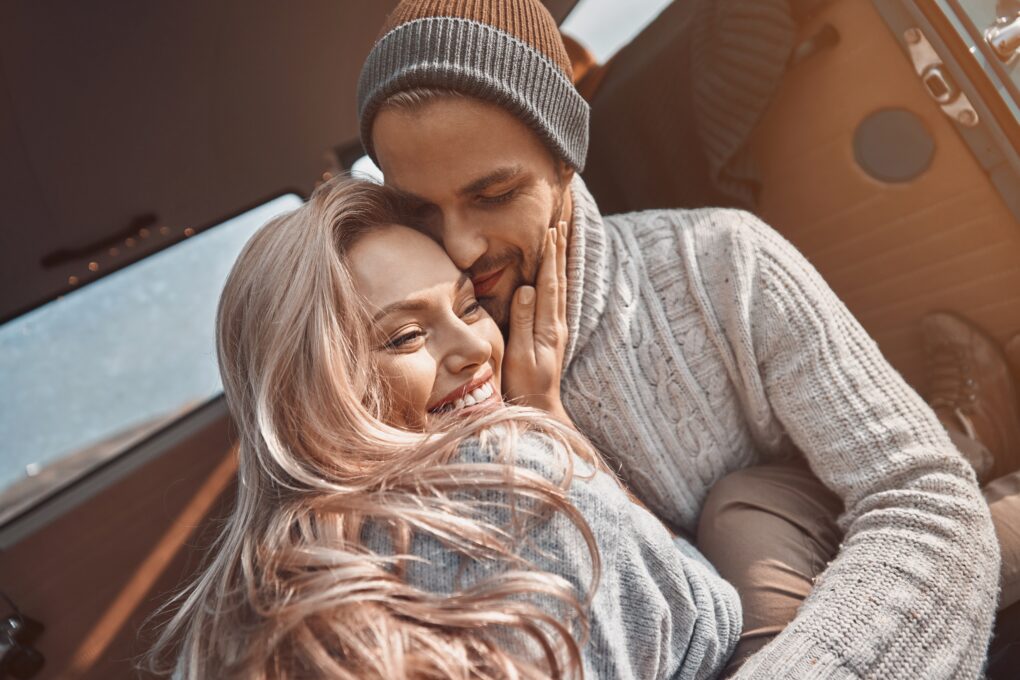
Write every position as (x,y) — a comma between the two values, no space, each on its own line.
(880,137)
(890,160)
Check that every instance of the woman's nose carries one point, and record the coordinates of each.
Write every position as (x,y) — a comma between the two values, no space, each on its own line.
(466,349)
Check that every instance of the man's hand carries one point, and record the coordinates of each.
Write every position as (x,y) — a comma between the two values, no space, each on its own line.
(533,362)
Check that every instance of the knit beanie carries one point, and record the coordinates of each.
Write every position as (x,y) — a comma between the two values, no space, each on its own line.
(508,52)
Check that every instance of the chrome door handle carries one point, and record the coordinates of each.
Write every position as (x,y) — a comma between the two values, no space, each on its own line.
(937,81)
(1004,38)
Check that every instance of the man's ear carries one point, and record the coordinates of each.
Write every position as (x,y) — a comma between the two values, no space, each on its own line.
(566,173)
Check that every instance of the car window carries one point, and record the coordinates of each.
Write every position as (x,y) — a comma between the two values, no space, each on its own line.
(604,26)
(85,376)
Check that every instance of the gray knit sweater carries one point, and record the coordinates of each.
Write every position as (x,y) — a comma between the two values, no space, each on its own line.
(660,610)
(702,342)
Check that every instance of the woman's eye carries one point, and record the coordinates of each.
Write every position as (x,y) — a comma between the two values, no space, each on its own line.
(473,309)
(404,340)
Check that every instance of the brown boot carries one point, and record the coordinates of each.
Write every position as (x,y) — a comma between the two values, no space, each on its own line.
(970,388)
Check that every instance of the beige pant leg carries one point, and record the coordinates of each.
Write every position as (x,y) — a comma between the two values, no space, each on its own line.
(769,530)
(1003,496)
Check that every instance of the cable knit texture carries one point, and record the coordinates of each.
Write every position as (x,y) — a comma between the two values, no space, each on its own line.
(703,342)
(660,610)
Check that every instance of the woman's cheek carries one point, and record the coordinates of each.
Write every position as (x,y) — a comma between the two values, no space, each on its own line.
(410,377)
(495,339)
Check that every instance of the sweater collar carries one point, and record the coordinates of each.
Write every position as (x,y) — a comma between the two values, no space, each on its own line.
(586,262)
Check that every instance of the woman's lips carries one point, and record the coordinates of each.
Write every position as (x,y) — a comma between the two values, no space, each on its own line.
(471,385)
(484,284)
(492,401)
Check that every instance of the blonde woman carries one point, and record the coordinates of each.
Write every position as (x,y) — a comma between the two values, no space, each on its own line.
(394,518)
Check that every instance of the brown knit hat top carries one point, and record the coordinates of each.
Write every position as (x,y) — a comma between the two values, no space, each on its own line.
(508,52)
(527,20)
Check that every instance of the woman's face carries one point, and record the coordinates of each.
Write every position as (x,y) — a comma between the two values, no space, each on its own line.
(437,349)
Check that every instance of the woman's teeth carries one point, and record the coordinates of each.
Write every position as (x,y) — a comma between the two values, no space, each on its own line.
(475,396)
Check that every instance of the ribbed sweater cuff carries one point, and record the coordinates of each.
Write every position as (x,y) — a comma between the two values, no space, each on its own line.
(798,657)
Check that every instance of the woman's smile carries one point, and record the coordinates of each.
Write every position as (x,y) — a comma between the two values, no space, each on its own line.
(472,395)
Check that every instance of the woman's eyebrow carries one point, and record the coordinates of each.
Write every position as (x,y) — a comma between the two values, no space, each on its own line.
(416,304)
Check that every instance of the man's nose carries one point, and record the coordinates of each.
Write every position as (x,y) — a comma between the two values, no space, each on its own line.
(462,240)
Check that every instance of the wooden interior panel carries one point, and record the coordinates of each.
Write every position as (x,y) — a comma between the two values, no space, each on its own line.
(892,252)
(94,575)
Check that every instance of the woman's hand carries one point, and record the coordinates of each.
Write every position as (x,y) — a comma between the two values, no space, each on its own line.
(533,361)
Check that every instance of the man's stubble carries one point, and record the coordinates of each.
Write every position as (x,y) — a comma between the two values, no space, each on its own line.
(499,309)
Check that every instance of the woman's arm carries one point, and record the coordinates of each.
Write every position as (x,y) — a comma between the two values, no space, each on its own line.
(658,611)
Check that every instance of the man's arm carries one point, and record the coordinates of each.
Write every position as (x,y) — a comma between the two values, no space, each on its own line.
(912,592)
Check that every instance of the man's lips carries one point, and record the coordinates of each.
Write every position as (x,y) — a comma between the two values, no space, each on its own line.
(483,284)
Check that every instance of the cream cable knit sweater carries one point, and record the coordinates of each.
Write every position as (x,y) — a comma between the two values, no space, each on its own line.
(703,342)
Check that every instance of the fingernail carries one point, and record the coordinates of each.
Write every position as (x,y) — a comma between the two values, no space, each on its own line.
(527,295)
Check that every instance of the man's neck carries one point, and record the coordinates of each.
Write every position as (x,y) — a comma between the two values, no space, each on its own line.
(586,261)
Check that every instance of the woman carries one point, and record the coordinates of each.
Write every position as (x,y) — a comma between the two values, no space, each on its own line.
(394,518)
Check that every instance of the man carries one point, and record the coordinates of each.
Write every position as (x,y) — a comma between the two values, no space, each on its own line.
(700,342)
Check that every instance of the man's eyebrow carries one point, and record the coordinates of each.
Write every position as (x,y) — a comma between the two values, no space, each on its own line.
(494,177)
(416,305)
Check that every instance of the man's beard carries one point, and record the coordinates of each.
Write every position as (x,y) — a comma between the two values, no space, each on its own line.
(499,309)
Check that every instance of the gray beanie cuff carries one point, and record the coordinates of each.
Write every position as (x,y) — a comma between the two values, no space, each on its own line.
(481,61)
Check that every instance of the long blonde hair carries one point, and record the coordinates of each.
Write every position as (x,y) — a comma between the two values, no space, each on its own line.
(290,590)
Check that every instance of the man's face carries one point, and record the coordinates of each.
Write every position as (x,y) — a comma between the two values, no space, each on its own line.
(489,185)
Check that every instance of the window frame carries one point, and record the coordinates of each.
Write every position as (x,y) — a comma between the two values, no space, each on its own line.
(66,494)
(98,479)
